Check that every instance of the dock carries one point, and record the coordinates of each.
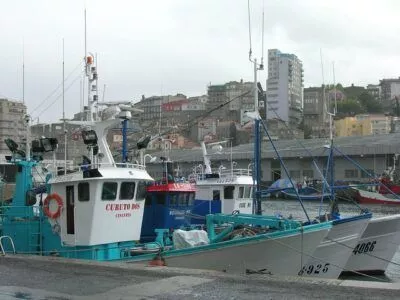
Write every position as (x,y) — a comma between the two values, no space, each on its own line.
(36,277)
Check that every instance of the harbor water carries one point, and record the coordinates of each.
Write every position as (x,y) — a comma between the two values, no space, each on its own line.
(293,208)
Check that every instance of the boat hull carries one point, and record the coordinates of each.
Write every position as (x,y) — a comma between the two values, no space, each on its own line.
(334,251)
(377,246)
(367,197)
(275,255)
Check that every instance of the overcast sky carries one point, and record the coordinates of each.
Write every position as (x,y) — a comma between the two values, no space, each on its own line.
(180,46)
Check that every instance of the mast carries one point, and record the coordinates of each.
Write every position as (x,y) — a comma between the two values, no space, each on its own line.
(63,108)
(257,145)
(23,72)
(331,115)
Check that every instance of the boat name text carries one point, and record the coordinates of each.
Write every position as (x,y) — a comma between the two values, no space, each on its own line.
(122,206)
(364,248)
(311,269)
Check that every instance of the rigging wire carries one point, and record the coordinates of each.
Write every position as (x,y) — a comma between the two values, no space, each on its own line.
(56,89)
(59,96)
(192,122)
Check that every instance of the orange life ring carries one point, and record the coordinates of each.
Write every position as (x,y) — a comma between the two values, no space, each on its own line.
(46,210)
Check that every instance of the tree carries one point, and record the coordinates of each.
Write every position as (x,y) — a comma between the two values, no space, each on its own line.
(369,103)
(349,107)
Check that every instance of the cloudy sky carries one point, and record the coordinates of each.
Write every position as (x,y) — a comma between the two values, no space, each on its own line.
(157,47)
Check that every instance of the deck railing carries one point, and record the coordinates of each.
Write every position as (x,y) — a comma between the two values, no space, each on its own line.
(80,168)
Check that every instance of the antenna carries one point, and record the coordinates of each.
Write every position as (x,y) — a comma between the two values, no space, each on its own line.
(63,104)
(23,71)
(262,41)
(334,87)
(248,12)
(104,92)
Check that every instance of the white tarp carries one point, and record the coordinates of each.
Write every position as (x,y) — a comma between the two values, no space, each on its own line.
(187,239)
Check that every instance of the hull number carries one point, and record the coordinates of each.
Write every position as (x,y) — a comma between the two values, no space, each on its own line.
(314,269)
(364,248)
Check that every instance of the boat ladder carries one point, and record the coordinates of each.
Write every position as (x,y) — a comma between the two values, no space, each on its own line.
(1,243)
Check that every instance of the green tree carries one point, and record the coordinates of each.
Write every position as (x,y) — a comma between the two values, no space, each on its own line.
(349,107)
(369,103)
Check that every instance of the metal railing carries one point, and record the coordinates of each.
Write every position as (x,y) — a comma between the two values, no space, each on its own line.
(80,168)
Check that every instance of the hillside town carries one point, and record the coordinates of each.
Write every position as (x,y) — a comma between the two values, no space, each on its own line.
(181,122)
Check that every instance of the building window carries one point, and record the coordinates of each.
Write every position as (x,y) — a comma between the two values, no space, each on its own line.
(294,174)
(365,174)
(351,173)
(83,191)
(308,173)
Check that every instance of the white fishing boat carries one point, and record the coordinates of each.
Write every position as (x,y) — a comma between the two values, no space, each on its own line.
(377,246)
(331,256)
(225,190)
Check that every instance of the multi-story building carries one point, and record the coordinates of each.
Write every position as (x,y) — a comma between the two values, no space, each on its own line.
(152,109)
(390,92)
(285,87)
(363,124)
(228,101)
(375,91)
(316,117)
(12,122)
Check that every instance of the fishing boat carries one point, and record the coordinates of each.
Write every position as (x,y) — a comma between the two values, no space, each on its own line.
(364,195)
(226,190)
(95,211)
(331,256)
(168,203)
(377,246)
(305,193)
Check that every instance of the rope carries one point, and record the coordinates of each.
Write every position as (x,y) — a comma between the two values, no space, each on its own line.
(59,96)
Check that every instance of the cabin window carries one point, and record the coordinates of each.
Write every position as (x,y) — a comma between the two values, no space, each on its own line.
(109,191)
(148,200)
(127,191)
(228,192)
(191,198)
(247,192)
(241,192)
(160,198)
(141,191)
(182,199)
(83,191)
(173,199)
(216,195)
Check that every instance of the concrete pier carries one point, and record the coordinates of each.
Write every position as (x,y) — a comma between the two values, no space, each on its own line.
(34,277)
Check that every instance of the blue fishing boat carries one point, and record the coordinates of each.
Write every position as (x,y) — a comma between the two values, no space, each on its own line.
(168,203)
(305,193)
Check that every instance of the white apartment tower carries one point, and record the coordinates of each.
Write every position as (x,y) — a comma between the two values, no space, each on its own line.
(284,87)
